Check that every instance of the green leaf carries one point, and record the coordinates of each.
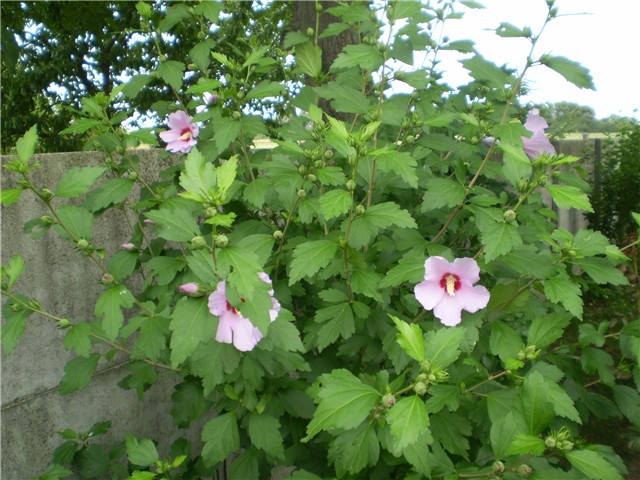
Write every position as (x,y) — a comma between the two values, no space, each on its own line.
(13,270)
(122,264)
(570,70)
(601,270)
(245,466)
(26,145)
(335,321)
(109,307)
(628,401)
(566,196)
(486,72)
(264,432)
(344,403)
(171,72)
(221,438)
(353,450)
(408,420)
(191,324)
(245,265)
(384,215)
(92,461)
(142,475)
(561,401)
(78,373)
(526,445)
(189,402)
(152,341)
(111,192)
(198,177)
(9,196)
(418,454)
(344,99)
(504,430)
(291,39)
(166,268)
(56,471)
(442,346)
(309,58)
(544,330)
(400,163)
(335,203)
(77,339)
(410,268)
(78,180)
(362,55)
(504,342)
(560,289)
(593,465)
(331,176)
(200,54)
(365,282)
(451,431)
(226,131)
(410,338)
(13,327)
(309,257)
(212,361)
(142,453)
(499,238)
(78,221)
(137,82)
(516,164)
(508,30)
(535,404)
(266,89)
(442,192)
(175,225)
(443,395)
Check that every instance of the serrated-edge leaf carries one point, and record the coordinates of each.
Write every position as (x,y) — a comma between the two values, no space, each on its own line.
(310,257)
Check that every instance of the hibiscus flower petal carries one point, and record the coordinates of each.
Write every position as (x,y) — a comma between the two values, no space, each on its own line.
(218,300)
(435,268)
(429,294)
(535,122)
(178,120)
(449,310)
(467,269)
(474,298)
(224,334)
(245,338)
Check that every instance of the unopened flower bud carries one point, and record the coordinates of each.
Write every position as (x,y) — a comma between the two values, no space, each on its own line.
(524,470)
(198,242)
(328,154)
(425,366)
(498,467)
(192,289)
(521,355)
(351,185)
(236,115)
(33,304)
(46,194)
(420,388)
(149,222)
(201,35)
(432,378)
(311,177)
(360,209)
(301,193)
(523,185)
(46,219)
(310,32)
(442,376)
(388,400)
(107,279)
(278,234)
(543,180)
(211,212)
(566,446)
(423,377)
(127,246)
(220,241)
(410,139)
(64,323)
(82,244)
(302,169)
(550,442)
(210,98)
(509,216)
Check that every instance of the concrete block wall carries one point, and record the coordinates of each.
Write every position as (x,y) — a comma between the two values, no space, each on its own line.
(67,285)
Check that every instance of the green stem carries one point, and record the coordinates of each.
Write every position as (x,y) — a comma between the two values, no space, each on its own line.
(487,380)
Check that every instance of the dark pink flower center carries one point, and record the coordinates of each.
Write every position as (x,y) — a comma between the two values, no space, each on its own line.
(450,282)
(232,309)
(185,134)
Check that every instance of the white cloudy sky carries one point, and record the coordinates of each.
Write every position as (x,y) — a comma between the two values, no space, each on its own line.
(605,38)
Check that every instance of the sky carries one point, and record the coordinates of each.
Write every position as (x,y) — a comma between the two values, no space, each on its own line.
(601,35)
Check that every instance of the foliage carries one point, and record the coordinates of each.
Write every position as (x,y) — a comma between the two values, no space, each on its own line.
(352,379)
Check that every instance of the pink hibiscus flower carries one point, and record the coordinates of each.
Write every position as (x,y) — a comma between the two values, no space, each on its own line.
(538,143)
(232,326)
(181,135)
(192,289)
(448,289)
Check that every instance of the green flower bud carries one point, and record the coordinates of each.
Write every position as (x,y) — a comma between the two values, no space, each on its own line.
(220,241)
(410,139)
(236,115)
(46,194)
(33,304)
(198,242)
(498,467)
(318,7)
(524,470)
(523,185)
(310,32)
(425,366)
(388,400)
(432,378)
(82,244)
(302,169)
(423,377)
(311,177)
(543,180)
(351,185)
(360,209)
(47,219)
(211,212)
(240,95)
(107,279)
(509,216)
(420,388)
(278,234)
(64,323)
(521,355)
(442,376)
(566,446)
(328,154)
(550,442)
(200,36)
(301,193)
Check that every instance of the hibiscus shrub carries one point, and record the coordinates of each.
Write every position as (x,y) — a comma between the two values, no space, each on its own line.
(382,293)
